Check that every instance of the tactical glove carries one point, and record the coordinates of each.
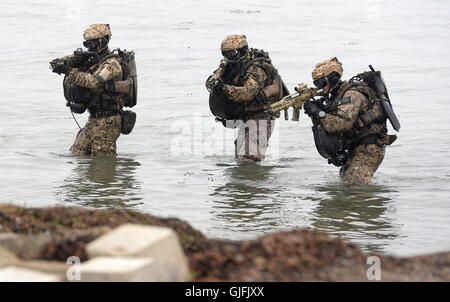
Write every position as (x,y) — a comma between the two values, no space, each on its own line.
(313,110)
(65,69)
(220,86)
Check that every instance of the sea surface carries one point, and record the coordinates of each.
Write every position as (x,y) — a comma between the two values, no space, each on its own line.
(179,163)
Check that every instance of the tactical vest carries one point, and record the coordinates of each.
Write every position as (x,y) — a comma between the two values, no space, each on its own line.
(105,102)
(274,88)
(370,126)
(120,91)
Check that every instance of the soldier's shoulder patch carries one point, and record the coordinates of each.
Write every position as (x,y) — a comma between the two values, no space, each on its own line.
(254,74)
(253,69)
(346,100)
(104,74)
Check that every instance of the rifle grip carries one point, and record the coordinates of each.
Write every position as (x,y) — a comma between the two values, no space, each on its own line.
(286,114)
(296,114)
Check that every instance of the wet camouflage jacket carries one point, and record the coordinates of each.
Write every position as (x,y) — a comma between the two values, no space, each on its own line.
(252,82)
(345,110)
(245,88)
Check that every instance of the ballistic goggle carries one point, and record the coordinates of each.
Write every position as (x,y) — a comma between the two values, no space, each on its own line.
(230,54)
(320,83)
(91,44)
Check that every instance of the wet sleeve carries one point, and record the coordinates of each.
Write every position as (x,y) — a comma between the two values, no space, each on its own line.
(253,82)
(108,70)
(346,114)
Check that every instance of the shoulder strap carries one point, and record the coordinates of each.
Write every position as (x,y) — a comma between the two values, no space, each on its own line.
(265,64)
(255,61)
(361,87)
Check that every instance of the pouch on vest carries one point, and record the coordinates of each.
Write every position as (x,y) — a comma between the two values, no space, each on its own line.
(370,116)
(128,121)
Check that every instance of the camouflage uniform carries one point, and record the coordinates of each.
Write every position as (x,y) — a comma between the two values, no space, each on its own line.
(363,159)
(343,107)
(254,134)
(99,135)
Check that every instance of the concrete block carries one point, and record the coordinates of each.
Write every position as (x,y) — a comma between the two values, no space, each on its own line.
(159,243)
(17,274)
(118,269)
(51,267)
(27,246)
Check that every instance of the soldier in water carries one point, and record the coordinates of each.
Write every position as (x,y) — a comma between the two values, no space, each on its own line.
(352,112)
(241,90)
(94,89)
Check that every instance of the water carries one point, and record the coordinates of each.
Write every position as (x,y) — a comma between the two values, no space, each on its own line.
(179,163)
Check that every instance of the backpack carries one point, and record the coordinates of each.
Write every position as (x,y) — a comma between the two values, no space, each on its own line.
(129,85)
(375,81)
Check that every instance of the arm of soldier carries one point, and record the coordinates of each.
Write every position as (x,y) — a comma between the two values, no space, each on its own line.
(346,115)
(253,82)
(109,70)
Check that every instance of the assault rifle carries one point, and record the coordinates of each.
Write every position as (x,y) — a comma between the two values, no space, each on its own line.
(295,100)
(213,80)
(80,59)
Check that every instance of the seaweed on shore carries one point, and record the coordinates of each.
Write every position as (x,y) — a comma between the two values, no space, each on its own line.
(296,255)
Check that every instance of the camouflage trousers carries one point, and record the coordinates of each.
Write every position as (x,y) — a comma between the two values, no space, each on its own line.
(253,139)
(364,161)
(98,137)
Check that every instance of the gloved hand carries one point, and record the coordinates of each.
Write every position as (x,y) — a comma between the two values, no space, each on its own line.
(318,103)
(313,110)
(65,69)
(220,86)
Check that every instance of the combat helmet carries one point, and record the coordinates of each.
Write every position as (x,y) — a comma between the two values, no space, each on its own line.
(97,37)
(233,42)
(234,47)
(97,31)
(327,72)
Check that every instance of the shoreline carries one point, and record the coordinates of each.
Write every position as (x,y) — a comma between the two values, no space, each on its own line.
(56,233)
